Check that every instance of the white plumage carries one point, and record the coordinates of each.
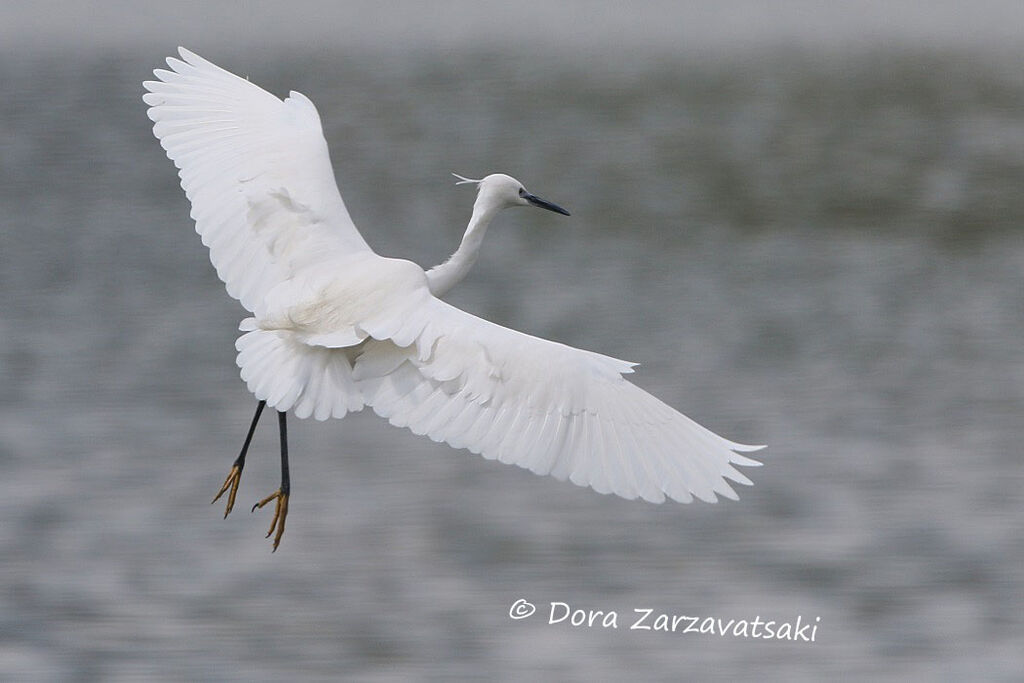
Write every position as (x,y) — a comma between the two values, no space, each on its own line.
(336,327)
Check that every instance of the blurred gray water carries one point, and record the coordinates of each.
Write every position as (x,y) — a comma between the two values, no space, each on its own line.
(820,251)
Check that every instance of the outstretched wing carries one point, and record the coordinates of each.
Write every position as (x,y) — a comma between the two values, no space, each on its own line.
(545,406)
(257,172)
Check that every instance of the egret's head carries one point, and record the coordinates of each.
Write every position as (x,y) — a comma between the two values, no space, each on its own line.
(502,191)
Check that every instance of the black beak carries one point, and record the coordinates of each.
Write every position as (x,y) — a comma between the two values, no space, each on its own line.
(544,204)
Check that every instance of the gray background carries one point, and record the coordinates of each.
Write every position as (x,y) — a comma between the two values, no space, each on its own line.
(804,223)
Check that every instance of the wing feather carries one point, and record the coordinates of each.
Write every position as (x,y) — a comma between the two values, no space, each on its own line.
(544,406)
(257,172)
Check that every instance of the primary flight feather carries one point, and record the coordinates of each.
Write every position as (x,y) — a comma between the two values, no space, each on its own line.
(336,327)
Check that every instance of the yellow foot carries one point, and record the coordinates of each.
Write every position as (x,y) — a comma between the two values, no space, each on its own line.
(280,514)
(234,476)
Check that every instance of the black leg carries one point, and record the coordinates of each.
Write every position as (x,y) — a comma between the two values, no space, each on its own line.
(282,422)
(235,475)
(281,494)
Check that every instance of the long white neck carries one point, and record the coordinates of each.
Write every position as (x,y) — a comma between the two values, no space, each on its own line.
(445,276)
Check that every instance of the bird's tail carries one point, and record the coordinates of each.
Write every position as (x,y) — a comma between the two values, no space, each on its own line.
(291,375)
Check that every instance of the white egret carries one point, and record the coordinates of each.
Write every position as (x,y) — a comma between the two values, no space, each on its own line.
(336,327)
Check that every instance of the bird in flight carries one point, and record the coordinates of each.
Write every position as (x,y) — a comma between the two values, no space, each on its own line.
(335,327)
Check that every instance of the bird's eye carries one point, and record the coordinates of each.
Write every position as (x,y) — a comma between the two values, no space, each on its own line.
(522,191)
